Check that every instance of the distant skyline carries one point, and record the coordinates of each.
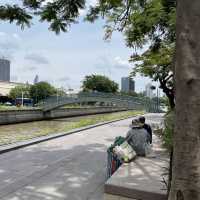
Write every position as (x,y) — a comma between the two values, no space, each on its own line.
(64,60)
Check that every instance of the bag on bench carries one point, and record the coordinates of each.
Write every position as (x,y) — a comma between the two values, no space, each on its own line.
(125,152)
(118,153)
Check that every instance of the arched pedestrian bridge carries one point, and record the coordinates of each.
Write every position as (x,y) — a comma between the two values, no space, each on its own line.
(114,100)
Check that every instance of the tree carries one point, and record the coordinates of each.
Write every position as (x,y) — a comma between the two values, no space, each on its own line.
(41,91)
(60,91)
(17,91)
(99,83)
(143,23)
(131,93)
(186,159)
(60,14)
(149,24)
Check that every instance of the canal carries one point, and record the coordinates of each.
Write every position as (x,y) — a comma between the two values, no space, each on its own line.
(24,131)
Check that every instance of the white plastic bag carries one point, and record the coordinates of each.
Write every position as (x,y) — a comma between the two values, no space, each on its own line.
(125,152)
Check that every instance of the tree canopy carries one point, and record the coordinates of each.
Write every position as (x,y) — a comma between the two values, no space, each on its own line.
(41,90)
(148,24)
(60,14)
(99,83)
(37,92)
(17,91)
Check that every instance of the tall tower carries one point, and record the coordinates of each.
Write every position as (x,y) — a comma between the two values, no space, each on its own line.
(127,84)
(36,79)
(4,70)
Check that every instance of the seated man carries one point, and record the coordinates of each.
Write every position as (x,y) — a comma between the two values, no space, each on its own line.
(147,127)
(138,138)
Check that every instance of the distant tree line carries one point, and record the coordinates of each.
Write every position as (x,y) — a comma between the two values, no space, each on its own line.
(99,83)
(37,92)
(91,83)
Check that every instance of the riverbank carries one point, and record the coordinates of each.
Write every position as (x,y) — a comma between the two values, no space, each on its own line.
(14,133)
(30,115)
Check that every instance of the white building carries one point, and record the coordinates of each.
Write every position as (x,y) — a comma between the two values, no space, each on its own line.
(5,87)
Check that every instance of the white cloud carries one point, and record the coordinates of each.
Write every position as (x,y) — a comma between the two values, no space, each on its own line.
(36,58)
(106,62)
(64,79)
(16,36)
(30,68)
(119,63)
(2,34)
(8,44)
(67,54)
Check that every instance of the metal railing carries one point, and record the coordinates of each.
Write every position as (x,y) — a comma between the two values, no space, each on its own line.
(115,100)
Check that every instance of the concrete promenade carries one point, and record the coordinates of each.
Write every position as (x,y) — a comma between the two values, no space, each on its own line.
(71,167)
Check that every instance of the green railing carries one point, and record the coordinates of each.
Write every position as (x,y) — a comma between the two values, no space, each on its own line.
(115,100)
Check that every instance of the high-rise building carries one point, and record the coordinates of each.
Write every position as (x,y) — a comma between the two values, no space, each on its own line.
(127,84)
(4,70)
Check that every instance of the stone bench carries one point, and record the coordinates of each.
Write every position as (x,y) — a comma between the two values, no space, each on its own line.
(141,179)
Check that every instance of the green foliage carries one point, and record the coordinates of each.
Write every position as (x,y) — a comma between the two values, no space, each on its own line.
(133,94)
(41,91)
(60,14)
(15,14)
(99,83)
(60,92)
(157,64)
(169,129)
(141,94)
(144,23)
(37,92)
(16,92)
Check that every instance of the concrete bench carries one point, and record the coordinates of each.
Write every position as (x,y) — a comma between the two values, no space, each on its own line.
(141,179)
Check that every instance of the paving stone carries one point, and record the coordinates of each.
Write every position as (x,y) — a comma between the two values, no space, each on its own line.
(67,168)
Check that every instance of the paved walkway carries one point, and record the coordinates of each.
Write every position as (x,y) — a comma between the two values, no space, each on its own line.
(71,168)
(142,179)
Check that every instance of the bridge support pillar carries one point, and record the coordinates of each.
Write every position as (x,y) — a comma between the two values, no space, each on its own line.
(48,114)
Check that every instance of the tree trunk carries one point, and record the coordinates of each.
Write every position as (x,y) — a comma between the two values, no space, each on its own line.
(185,183)
(168,92)
(171,100)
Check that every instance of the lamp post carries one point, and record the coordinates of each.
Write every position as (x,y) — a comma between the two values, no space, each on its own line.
(158,101)
(22,98)
(157,97)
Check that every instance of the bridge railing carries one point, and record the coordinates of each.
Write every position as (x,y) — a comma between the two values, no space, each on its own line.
(116,100)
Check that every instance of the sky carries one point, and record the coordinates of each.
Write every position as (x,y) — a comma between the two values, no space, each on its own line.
(65,59)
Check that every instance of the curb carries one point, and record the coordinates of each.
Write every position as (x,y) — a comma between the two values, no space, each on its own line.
(19,145)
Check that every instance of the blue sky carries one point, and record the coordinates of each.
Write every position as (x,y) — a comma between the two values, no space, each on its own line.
(65,59)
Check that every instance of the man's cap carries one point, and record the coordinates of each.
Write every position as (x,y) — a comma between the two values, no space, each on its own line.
(142,119)
(136,123)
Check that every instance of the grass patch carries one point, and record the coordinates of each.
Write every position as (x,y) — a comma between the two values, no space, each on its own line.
(5,108)
(25,131)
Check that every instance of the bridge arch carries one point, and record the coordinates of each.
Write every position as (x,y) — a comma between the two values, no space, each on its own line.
(85,97)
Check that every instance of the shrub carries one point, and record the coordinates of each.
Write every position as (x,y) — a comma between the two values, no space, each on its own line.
(168,130)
